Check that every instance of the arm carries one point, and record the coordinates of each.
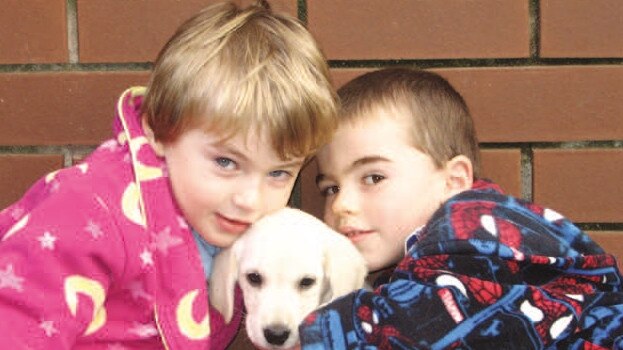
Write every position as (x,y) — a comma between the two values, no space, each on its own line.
(56,265)
(429,307)
(488,271)
(484,315)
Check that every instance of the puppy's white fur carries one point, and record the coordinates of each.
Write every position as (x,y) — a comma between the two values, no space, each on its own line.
(287,264)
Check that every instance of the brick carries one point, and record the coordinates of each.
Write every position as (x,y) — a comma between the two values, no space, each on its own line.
(569,103)
(342,76)
(135,31)
(611,242)
(580,28)
(582,184)
(532,104)
(19,171)
(503,166)
(60,108)
(537,104)
(403,29)
(33,32)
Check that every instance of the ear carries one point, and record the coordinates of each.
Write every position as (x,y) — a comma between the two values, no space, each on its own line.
(222,283)
(151,138)
(459,175)
(345,267)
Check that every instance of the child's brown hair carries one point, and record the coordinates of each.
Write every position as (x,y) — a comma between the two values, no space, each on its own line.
(229,69)
(442,126)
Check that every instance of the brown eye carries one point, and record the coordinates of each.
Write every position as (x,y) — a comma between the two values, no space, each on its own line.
(373,179)
(254,279)
(306,282)
(329,191)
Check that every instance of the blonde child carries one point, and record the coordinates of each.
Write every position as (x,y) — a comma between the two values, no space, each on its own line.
(476,269)
(114,252)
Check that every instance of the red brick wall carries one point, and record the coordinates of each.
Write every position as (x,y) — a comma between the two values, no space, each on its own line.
(544,81)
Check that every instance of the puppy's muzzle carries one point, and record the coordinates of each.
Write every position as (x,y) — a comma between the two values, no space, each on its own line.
(276,334)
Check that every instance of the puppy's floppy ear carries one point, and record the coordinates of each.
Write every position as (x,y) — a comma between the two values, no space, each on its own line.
(345,267)
(223,282)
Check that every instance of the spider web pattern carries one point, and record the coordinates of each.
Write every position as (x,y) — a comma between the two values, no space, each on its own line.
(463,214)
(485,292)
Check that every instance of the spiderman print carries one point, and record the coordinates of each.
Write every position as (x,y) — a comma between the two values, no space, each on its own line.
(488,271)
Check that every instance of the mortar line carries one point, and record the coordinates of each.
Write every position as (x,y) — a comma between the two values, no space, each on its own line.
(72,31)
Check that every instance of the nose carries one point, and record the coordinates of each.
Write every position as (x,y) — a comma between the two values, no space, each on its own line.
(276,334)
(248,194)
(344,202)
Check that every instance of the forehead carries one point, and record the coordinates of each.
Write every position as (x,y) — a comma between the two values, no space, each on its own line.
(382,133)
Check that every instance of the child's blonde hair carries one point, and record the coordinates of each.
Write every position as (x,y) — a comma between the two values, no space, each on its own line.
(442,126)
(229,69)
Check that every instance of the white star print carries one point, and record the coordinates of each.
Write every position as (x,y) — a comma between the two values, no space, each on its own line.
(137,291)
(48,328)
(116,346)
(47,240)
(143,330)
(10,280)
(94,229)
(146,257)
(163,240)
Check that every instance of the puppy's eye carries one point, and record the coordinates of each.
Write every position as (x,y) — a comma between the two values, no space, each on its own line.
(254,279)
(306,282)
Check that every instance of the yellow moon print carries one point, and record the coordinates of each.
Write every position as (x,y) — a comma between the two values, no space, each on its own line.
(122,138)
(185,320)
(18,226)
(131,205)
(91,288)
(145,173)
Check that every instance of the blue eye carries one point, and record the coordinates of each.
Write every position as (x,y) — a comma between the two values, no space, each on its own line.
(279,174)
(225,163)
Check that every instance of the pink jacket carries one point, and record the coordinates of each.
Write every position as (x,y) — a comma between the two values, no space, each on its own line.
(98,256)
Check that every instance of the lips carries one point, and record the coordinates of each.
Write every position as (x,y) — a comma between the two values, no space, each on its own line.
(354,234)
(231,225)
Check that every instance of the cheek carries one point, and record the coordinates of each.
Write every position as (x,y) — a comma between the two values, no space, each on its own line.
(383,206)
(328,216)
(398,213)
(193,194)
(277,198)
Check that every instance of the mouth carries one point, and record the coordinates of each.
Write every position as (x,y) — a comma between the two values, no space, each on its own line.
(354,234)
(232,226)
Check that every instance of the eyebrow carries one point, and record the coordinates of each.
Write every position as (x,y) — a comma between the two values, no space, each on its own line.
(231,149)
(238,154)
(357,163)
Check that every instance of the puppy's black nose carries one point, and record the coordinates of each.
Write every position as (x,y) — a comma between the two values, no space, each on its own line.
(276,334)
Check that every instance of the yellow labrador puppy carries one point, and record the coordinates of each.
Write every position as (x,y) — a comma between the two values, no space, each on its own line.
(287,264)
